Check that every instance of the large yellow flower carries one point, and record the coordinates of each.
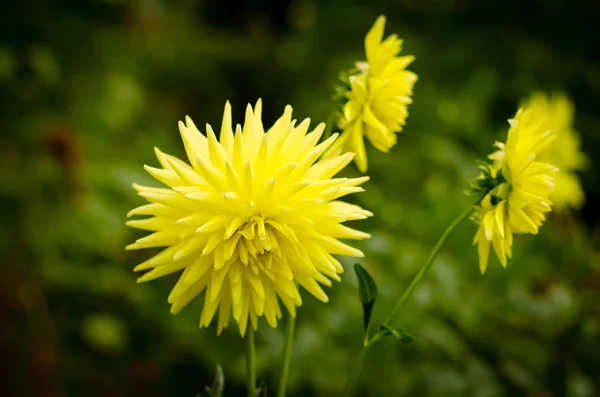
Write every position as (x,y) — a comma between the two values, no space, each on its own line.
(378,97)
(564,152)
(519,202)
(254,214)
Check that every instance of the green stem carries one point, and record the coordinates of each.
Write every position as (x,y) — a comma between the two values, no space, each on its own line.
(427,264)
(370,341)
(287,355)
(250,362)
(358,366)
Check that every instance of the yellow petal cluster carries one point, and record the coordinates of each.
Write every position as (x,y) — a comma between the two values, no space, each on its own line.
(519,204)
(565,150)
(378,97)
(255,215)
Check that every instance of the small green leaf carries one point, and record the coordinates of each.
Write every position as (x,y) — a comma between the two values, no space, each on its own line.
(340,94)
(482,163)
(486,184)
(216,390)
(367,291)
(399,333)
(473,185)
(344,77)
(500,179)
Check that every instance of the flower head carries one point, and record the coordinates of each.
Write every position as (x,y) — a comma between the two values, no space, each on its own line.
(377,96)
(564,152)
(254,214)
(518,202)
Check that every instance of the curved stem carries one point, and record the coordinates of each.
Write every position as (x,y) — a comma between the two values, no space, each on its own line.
(250,362)
(287,355)
(427,264)
(370,341)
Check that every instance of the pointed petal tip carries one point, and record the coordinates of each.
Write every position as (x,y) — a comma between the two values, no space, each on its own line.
(142,279)
(361,166)
(379,24)
(131,247)
(483,266)
(358,254)
(142,266)
(349,155)
(210,132)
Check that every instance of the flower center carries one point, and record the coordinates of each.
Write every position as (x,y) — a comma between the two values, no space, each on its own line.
(258,242)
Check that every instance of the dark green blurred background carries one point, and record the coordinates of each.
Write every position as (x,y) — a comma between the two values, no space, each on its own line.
(87,88)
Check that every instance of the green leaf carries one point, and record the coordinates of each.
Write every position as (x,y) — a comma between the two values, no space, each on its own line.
(340,94)
(473,185)
(486,184)
(399,333)
(367,291)
(216,390)
(500,179)
(344,77)
(482,163)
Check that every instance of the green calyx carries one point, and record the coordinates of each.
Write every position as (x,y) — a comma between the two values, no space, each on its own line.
(488,180)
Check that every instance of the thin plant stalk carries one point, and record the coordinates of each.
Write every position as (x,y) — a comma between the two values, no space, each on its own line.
(436,249)
(370,341)
(287,355)
(358,366)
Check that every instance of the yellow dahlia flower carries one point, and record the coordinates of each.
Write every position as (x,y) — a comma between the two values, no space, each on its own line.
(377,97)
(519,201)
(254,214)
(565,151)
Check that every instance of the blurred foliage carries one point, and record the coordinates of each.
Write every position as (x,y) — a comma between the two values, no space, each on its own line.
(87,88)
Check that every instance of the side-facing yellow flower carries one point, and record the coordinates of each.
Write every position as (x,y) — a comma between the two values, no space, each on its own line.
(378,97)
(565,150)
(519,202)
(254,214)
